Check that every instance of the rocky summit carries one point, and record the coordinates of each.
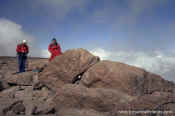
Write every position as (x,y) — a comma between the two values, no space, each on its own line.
(80,84)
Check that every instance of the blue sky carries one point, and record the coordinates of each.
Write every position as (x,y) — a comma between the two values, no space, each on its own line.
(112,29)
(95,22)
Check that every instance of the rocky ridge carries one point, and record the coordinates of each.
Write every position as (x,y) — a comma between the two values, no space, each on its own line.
(78,83)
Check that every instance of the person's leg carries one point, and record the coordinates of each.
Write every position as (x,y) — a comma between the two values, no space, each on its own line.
(22,66)
(24,63)
(20,63)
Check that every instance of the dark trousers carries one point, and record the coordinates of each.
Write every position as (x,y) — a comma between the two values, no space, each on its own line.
(22,63)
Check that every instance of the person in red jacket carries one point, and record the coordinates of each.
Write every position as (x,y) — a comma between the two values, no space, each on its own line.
(55,49)
(22,50)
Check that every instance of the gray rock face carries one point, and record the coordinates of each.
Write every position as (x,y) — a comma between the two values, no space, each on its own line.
(23,79)
(78,83)
(18,96)
(129,79)
(97,99)
(66,67)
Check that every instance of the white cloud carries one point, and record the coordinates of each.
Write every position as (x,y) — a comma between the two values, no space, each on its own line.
(45,53)
(157,62)
(101,53)
(11,34)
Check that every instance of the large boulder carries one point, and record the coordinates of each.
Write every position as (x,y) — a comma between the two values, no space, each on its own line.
(105,89)
(65,68)
(123,77)
(37,63)
(3,84)
(9,104)
(156,101)
(22,79)
(82,112)
(18,97)
(80,98)
(74,100)
(24,100)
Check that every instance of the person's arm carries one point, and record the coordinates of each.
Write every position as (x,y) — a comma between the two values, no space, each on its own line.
(18,49)
(27,51)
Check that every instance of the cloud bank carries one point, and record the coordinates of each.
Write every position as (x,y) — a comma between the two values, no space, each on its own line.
(162,63)
(11,34)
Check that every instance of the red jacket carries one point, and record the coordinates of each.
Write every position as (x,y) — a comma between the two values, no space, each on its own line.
(22,48)
(55,50)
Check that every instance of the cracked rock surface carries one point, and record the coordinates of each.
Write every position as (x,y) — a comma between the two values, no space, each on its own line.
(79,84)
